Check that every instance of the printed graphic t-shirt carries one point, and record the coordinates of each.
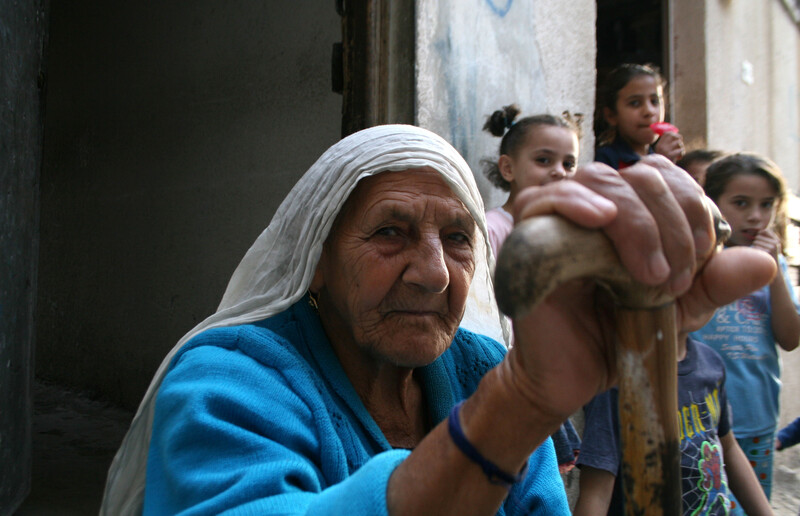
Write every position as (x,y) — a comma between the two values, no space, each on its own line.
(703,416)
(741,333)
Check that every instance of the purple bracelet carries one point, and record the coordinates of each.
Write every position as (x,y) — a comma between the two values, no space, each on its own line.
(495,475)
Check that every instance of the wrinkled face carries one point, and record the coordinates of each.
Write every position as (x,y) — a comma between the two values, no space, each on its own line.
(748,203)
(395,272)
(639,104)
(550,153)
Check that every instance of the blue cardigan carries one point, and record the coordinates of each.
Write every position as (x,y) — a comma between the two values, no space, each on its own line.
(261,419)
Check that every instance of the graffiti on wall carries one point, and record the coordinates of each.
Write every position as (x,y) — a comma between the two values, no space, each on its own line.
(472,62)
(499,7)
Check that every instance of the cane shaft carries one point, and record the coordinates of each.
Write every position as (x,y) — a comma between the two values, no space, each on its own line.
(648,408)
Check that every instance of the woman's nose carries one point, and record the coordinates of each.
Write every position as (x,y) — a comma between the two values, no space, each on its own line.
(427,268)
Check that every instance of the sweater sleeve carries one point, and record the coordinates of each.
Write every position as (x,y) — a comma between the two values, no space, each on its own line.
(231,436)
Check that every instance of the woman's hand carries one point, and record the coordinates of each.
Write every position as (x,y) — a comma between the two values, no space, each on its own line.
(656,218)
(670,144)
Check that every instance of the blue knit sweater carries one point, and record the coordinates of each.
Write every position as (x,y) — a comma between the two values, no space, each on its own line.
(261,419)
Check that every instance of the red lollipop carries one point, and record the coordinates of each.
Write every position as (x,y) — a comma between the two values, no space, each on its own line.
(663,127)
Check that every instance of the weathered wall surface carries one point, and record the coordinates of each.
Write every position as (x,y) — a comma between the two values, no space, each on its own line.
(752,65)
(173,132)
(23,29)
(688,86)
(475,57)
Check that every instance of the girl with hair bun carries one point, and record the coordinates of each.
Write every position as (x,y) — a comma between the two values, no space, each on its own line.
(534,151)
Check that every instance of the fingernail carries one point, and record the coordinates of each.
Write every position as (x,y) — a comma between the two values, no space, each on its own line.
(681,282)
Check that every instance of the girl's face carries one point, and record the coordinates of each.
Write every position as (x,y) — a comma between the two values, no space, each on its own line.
(549,153)
(639,104)
(748,203)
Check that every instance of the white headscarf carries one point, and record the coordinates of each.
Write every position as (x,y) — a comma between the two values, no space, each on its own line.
(277,270)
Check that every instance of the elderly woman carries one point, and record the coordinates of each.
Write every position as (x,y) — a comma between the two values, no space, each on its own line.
(331,379)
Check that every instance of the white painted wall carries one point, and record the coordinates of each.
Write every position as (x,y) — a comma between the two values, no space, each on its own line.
(475,56)
(763,115)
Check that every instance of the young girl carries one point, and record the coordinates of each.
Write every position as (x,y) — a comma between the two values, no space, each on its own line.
(629,101)
(751,194)
(534,151)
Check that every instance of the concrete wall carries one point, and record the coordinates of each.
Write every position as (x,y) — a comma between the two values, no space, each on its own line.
(475,56)
(23,29)
(688,82)
(752,52)
(174,130)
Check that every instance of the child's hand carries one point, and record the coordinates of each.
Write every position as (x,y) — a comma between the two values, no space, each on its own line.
(768,241)
(778,445)
(670,145)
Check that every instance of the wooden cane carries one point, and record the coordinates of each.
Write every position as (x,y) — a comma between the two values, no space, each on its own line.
(544,252)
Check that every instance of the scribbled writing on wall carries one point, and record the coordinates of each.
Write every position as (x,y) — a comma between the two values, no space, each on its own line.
(500,7)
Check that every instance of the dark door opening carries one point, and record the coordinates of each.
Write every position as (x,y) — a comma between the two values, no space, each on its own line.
(633,31)
(630,31)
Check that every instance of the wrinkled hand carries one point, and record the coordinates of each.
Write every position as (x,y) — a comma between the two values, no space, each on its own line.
(655,216)
(670,145)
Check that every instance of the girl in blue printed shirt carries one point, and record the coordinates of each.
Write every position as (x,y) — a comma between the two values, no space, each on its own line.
(751,194)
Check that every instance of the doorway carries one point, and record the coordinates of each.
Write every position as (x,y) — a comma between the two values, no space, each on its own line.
(635,31)
(631,31)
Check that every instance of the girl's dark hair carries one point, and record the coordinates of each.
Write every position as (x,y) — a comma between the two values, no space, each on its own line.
(704,155)
(501,123)
(608,90)
(721,171)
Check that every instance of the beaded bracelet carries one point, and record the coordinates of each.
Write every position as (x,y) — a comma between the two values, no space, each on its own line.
(495,475)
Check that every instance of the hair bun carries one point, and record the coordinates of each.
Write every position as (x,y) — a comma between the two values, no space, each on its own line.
(510,113)
(500,120)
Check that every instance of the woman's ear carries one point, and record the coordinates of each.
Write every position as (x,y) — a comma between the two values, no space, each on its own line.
(506,170)
(318,281)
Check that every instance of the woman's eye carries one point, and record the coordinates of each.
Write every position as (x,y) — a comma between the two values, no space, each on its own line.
(459,237)
(388,231)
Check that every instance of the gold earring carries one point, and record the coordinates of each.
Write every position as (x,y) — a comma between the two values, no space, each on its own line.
(312,300)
